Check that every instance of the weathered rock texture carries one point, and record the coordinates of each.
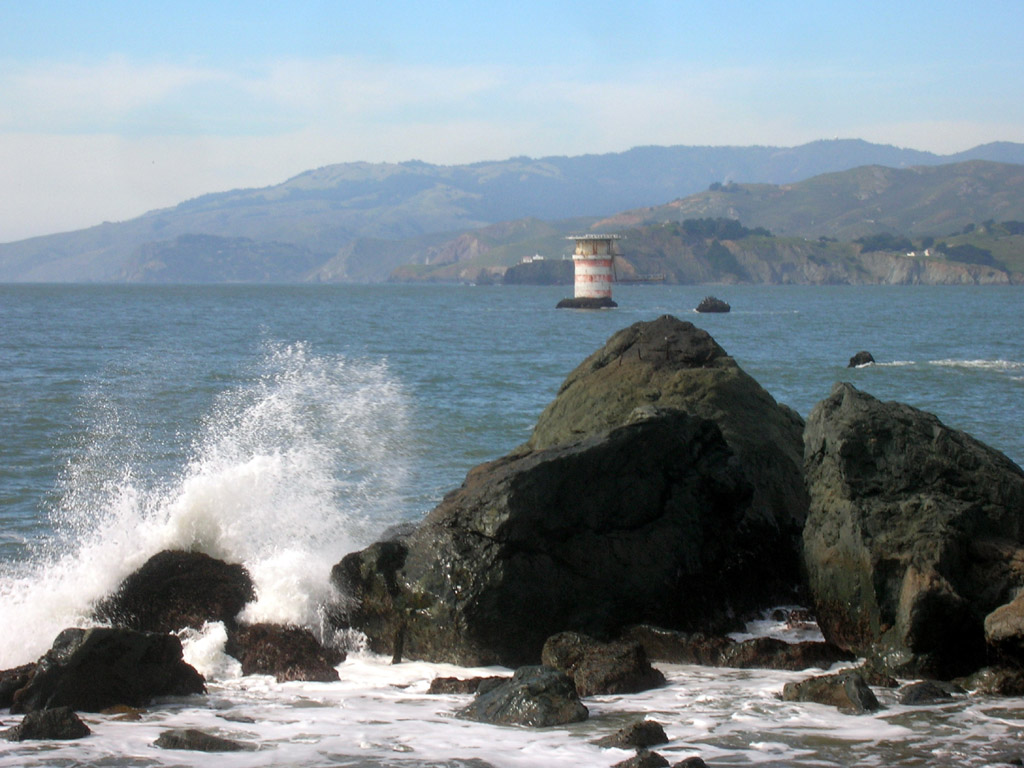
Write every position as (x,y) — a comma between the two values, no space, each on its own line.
(915,533)
(535,696)
(92,669)
(662,485)
(176,589)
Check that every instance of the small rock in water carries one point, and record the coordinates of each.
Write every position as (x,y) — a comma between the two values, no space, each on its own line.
(713,304)
(535,696)
(846,690)
(929,692)
(643,759)
(861,358)
(197,741)
(641,734)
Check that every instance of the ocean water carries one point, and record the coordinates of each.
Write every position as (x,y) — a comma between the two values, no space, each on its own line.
(284,426)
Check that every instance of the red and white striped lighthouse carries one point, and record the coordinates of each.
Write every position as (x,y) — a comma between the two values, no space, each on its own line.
(594,265)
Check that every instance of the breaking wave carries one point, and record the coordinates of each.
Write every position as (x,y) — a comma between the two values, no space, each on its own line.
(300,464)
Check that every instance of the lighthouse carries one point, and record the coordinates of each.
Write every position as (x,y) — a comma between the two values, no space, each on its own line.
(594,269)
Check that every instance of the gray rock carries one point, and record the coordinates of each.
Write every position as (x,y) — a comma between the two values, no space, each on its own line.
(535,696)
(929,692)
(60,723)
(846,690)
(662,485)
(92,669)
(913,536)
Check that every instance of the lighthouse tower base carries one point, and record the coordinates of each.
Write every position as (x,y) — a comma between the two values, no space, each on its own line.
(587,302)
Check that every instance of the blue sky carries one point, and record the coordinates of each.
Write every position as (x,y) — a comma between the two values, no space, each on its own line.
(109,109)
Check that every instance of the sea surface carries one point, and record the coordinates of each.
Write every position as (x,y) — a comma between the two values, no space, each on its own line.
(284,426)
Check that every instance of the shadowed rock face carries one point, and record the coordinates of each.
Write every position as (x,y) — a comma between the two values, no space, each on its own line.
(663,485)
(914,533)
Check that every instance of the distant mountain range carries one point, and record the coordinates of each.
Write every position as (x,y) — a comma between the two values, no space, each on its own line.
(361,221)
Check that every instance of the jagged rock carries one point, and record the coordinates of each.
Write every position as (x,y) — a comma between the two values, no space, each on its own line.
(174,590)
(861,358)
(713,304)
(198,741)
(60,723)
(928,692)
(846,690)
(601,668)
(12,680)
(915,534)
(447,685)
(643,759)
(92,669)
(287,653)
(638,735)
(535,696)
(622,508)
(757,653)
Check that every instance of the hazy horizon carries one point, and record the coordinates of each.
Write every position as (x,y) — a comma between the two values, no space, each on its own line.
(114,109)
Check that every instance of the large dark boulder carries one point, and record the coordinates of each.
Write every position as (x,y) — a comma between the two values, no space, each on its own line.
(92,669)
(662,485)
(601,668)
(535,696)
(287,653)
(915,534)
(176,589)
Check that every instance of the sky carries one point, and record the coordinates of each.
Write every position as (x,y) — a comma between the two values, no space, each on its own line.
(110,109)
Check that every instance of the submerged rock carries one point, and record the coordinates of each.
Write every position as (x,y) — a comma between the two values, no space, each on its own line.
(92,669)
(287,653)
(176,589)
(915,534)
(535,696)
(601,668)
(198,741)
(663,484)
(643,759)
(603,302)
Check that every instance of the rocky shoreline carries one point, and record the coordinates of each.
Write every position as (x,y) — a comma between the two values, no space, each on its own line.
(663,498)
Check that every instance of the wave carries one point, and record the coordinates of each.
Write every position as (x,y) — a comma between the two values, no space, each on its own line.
(291,470)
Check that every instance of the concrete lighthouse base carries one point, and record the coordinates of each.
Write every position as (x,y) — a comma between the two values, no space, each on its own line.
(587,302)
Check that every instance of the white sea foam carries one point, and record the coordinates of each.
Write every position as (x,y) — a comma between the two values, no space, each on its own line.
(983,365)
(288,473)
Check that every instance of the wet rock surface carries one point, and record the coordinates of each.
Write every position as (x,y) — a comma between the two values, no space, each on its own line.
(176,589)
(60,723)
(915,534)
(847,690)
(194,740)
(601,668)
(90,670)
(638,735)
(287,653)
(534,696)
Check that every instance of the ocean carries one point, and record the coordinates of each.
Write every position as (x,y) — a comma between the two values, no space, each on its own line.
(284,426)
